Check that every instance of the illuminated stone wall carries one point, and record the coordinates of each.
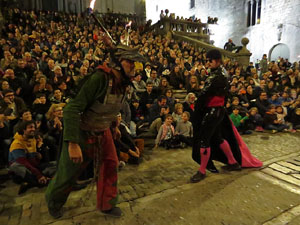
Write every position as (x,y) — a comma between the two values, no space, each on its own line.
(280,22)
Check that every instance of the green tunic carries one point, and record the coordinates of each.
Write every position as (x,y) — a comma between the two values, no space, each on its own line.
(94,88)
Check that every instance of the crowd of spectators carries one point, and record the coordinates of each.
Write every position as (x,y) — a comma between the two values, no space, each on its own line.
(45,56)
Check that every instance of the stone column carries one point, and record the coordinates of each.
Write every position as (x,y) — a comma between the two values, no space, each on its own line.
(243,57)
(167,25)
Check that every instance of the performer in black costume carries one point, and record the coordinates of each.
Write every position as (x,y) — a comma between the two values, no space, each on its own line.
(214,133)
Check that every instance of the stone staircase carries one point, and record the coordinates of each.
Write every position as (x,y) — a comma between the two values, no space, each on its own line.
(180,94)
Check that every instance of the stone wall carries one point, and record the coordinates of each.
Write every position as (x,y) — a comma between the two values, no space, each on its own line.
(122,6)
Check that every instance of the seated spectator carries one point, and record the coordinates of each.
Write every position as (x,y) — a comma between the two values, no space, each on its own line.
(31,64)
(281,114)
(147,99)
(193,85)
(58,97)
(271,122)
(137,117)
(24,160)
(146,72)
(270,88)
(156,124)
(139,84)
(177,78)
(127,150)
(202,75)
(255,121)
(164,84)
(15,83)
(166,134)
(189,103)
(235,102)
(4,86)
(8,61)
(42,87)
(40,106)
(184,129)
(153,79)
(239,121)
(286,100)
(233,91)
(54,118)
(155,109)
(177,114)
(284,83)
(11,106)
(243,99)
(170,99)
(58,76)
(293,94)
(274,99)
(25,115)
(262,103)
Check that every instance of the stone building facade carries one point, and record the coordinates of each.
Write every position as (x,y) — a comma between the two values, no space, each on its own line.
(274,24)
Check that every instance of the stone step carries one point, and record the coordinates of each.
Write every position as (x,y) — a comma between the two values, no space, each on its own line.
(289,165)
(294,162)
(287,178)
(281,169)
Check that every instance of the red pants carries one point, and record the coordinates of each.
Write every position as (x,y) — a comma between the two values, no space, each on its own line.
(107,194)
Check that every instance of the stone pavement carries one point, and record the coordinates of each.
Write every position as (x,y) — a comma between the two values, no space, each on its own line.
(157,191)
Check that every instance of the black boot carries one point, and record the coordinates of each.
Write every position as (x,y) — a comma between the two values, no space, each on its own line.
(55,213)
(197,177)
(114,212)
(232,167)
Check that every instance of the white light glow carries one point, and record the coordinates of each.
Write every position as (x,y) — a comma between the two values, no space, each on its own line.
(92,4)
(128,24)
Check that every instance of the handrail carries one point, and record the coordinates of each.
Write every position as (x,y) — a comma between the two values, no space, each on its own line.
(196,30)
(243,56)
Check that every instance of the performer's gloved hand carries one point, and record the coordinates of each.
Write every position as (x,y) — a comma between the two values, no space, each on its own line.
(75,152)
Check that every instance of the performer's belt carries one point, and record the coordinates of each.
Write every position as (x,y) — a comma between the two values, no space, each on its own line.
(99,117)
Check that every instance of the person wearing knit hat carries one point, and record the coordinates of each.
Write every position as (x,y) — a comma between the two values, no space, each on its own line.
(87,135)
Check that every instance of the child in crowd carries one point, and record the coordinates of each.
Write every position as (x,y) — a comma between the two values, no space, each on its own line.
(177,114)
(281,114)
(271,122)
(235,102)
(184,129)
(166,134)
(239,121)
(255,121)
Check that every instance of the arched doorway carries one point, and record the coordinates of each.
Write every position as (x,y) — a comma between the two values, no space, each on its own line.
(279,50)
